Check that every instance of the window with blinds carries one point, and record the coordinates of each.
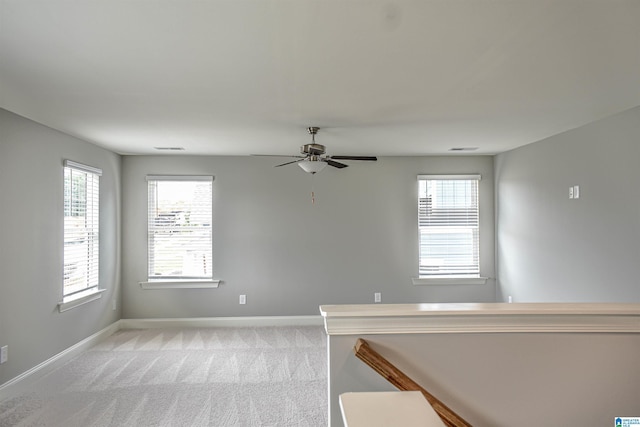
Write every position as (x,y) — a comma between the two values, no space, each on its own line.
(448,224)
(81,255)
(180,228)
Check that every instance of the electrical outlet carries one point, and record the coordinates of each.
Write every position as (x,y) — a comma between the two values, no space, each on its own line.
(377,297)
(114,304)
(4,353)
(243,299)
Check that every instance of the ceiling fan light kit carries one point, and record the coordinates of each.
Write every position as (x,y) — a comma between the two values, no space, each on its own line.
(311,165)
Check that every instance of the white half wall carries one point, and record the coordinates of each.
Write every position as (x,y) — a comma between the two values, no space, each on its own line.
(496,365)
(502,380)
(287,255)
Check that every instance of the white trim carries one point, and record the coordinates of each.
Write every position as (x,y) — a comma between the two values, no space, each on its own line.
(78,299)
(179,178)
(85,168)
(451,177)
(180,284)
(211,322)
(480,318)
(26,379)
(418,281)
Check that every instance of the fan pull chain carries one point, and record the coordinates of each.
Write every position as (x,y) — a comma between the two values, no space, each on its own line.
(313,194)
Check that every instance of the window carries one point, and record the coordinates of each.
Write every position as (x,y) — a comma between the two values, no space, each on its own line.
(180,228)
(81,229)
(448,224)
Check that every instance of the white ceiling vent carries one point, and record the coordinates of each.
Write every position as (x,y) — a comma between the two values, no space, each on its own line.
(463,149)
(169,148)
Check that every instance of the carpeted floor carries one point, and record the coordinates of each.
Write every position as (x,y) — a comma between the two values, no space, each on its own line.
(271,376)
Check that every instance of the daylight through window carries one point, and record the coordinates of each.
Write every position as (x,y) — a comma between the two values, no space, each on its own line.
(180,227)
(81,228)
(448,224)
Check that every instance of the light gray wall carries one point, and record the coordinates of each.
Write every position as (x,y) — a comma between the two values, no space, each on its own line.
(31,157)
(288,255)
(503,379)
(554,249)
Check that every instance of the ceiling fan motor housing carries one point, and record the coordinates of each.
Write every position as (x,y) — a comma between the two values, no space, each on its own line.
(312,149)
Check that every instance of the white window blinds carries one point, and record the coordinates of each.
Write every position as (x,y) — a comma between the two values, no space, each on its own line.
(180,227)
(448,224)
(81,227)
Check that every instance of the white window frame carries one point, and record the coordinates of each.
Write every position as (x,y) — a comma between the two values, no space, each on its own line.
(425,225)
(154,227)
(81,236)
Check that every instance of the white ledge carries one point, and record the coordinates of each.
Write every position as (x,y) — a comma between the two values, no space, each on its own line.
(481,318)
(79,299)
(180,284)
(449,280)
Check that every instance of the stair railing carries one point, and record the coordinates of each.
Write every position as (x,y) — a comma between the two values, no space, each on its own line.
(403,382)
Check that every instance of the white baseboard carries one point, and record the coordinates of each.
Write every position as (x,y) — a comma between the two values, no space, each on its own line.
(211,322)
(20,383)
(26,379)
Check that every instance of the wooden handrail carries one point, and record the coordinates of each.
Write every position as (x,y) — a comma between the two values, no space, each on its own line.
(401,381)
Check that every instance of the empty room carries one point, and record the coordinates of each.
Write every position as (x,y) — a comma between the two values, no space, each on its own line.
(207,203)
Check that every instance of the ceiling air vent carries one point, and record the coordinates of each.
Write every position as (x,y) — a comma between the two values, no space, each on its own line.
(463,149)
(169,148)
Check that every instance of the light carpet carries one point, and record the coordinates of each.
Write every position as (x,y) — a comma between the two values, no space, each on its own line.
(265,376)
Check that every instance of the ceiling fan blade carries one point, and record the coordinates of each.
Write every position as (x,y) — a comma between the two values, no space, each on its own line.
(277,155)
(288,163)
(370,158)
(336,164)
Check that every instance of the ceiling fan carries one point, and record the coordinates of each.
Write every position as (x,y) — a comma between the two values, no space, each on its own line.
(314,159)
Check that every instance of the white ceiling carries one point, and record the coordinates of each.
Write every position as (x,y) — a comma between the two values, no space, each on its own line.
(380,77)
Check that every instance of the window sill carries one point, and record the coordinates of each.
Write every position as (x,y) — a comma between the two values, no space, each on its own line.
(180,284)
(79,299)
(449,280)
